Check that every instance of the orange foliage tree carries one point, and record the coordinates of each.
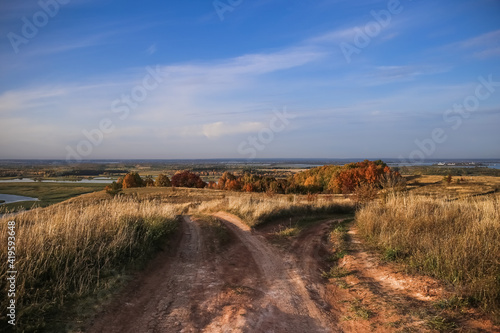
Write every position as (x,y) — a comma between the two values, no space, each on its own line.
(187,179)
(132,179)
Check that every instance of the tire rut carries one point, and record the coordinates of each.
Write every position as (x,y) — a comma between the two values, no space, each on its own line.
(159,301)
(287,306)
(250,287)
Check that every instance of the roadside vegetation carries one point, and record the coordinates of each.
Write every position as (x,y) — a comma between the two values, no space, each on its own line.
(455,241)
(70,252)
(256,210)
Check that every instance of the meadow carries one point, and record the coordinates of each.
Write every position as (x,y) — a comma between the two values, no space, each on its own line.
(68,252)
(457,241)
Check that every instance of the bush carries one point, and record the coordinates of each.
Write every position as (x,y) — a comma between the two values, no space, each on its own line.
(149,181)
(364,193)
(113,189)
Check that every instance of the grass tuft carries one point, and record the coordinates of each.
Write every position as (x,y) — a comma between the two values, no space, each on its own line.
(441,324)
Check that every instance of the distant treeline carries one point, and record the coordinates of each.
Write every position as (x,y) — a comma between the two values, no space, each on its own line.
(324,179)
(25,173)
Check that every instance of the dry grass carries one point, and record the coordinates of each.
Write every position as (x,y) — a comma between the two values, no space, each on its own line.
(256,209)
(459,187)
(457,241)
(165,194)
(69,251)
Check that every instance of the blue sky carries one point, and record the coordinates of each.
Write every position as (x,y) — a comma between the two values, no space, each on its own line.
(242,79)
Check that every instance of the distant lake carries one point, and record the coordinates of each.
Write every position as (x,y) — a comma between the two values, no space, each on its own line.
(10,198)
(97,180)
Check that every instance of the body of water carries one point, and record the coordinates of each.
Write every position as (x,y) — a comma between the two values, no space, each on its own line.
(97,180)
(10,198)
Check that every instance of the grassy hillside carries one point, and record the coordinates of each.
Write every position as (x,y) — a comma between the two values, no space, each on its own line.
(456,241)
(67,252)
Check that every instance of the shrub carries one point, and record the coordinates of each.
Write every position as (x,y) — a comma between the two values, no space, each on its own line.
(113,189)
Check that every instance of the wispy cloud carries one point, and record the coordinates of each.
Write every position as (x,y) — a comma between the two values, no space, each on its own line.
(390,74)
(250,64)
(483,46)
(151,50)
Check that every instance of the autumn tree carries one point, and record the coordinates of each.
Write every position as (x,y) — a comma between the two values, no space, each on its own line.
(225,179)
(187,179)
(132,179)
(163,181)
(248,188)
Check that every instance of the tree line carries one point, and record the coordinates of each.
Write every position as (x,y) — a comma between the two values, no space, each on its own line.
(324,179)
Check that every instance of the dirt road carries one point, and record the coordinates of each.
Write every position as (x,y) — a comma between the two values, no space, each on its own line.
(248,288)
(253,286)
(286,306)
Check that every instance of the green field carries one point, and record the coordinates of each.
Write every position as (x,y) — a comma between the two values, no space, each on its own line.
(47,193)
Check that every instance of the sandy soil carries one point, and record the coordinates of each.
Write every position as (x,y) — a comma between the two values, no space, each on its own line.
(254,286)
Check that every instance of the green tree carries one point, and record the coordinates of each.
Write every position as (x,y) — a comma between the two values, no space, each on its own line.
(113,189)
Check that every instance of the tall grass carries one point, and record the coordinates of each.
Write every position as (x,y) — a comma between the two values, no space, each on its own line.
(68,251)
(457,241)
(255,210)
